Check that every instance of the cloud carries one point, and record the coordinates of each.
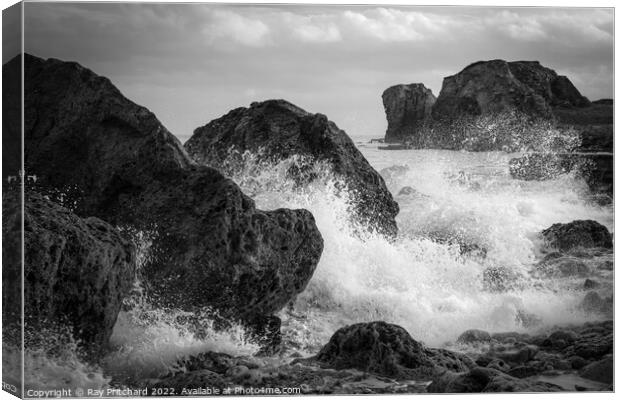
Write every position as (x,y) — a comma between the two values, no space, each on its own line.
(228,25)
(389,24)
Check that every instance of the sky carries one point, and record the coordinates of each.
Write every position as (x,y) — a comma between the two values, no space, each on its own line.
(192,63)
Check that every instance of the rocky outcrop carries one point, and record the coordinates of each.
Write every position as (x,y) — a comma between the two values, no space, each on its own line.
(577,234)
(275,130)
(112,159)
(407,108)
(491,87)
(388,350)
(489,105)
(77,271)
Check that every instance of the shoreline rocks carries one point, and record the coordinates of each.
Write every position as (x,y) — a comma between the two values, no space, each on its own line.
(275,130)
(112,159)
(77,271)
(577,234)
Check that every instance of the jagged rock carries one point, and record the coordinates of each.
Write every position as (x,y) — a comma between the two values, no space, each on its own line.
(473,336)
(491,87)
(388,350)
(575,234)
(114,160)
(407,108)
(276,130)
(489,105)
(77,271)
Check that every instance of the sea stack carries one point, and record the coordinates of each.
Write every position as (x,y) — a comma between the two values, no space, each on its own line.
(407,108)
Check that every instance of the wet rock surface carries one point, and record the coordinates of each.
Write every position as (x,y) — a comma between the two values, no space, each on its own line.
(77,271)
(407,108)
(387,350)
(112,159)
(577,234)
(275,130)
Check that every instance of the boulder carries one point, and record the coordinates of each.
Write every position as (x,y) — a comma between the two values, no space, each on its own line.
(492,87)
(275,130)
(77,271)
(577,234)
(407,109)
(474,336)
(112,159)
(387,350)
(600,371)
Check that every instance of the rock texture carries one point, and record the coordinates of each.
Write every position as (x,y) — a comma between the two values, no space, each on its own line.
(276,130)
(388,350)
(491,87)
(77,271)
(576,234)
(407,108)
(489,105)
(114,160)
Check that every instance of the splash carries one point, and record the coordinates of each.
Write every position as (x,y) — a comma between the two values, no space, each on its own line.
(462,216)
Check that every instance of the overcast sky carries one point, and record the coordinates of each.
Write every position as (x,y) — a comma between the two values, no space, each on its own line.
(192,63)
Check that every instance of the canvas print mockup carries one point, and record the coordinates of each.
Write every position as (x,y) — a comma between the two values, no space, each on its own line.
(249,199)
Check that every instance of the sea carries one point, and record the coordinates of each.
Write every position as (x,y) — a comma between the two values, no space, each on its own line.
(466,257)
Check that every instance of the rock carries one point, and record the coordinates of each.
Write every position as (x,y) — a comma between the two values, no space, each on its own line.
(563,267)
(489,87)
(523,371)
(211,247)
(498,364)
(77,271)
(407,109)
(387,350)
(474,336)
(600,371)
(517,356)
(562,338)
(579,233)
(577,362)
(594,303)
(275,130)
(486,380)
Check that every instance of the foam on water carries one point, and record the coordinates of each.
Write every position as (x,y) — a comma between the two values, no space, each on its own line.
(425,285)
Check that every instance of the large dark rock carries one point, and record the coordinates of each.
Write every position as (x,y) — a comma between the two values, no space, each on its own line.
(114,160)
(388,350)
(489,105)
(76,272)
(407,109)
(276,130)
(491,87)
(576,234)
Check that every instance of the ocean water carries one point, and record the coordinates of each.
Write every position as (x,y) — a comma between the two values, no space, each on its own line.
(461,215)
